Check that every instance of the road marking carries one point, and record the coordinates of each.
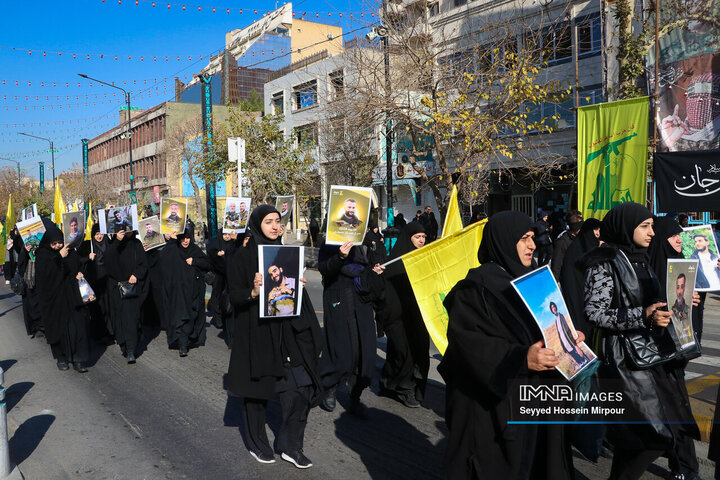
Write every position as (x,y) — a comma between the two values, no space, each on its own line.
(134,428)
(707,360)
(691,375)
(700,384)
(710,344)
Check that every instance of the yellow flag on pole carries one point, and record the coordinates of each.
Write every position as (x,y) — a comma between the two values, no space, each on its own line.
(433,271)
(453,219)
(9,224)
(89,224)
(60,206)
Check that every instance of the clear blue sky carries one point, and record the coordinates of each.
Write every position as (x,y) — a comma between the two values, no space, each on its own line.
(110,28)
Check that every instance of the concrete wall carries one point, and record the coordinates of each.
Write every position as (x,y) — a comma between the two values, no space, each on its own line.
(304,35)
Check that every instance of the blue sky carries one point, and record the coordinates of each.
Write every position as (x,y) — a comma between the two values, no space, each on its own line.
(39,92)
(538,290)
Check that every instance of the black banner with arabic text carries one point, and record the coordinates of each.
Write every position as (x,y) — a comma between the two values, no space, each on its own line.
(687,181)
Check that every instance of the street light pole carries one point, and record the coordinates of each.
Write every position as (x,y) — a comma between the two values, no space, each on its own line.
(18,168)
(52,151)
(129,130)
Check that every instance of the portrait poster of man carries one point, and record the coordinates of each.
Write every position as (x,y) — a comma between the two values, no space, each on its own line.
(281,289)
(73,227)
(698,243)
(348,213)
(114,220)
(149,233)
(284,205)
(31,231)
(680,280)
(542,297)
(237,214)
(173,215)
(28,212)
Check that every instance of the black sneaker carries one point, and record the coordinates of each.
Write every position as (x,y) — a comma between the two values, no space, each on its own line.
(297,459)
(62,366)
(263,457)
(328,402)
(80,367)
(409,401)
(131,358)
(183,351)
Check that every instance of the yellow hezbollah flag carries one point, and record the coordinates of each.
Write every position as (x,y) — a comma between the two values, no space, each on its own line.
(60,206)
(9,224)
(612,155)
(90,223)
(434,270)
(453,220)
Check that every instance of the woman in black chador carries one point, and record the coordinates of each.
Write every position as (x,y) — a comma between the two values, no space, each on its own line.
(405,372)
(184,266)
(220,251)
(92,253)
(30,301)
(271,355)
(125,261)
(493,345)
(63,314)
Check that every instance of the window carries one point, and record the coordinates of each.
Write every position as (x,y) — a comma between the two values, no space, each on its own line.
(591,96)
(589,38)
(337,84)
(278,103)
(434,9)
(306,133)
(459,3)
(305,95)
(557,43)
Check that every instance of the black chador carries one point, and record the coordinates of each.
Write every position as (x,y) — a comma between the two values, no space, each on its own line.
(219,303)
(96,274)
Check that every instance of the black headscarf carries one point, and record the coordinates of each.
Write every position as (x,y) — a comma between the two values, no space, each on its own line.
(660,249)
(99,247)
(586,236)
(256,217)
(404,243)
(499,243)
(619,225)
(52,234)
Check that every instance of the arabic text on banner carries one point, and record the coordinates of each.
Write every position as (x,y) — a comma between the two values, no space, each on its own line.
(435,269)
(612,155)
(688,181)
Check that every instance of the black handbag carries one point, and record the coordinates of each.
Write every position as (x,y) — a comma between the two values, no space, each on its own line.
(644,349)
(210,277)
(127,289)
(17,284)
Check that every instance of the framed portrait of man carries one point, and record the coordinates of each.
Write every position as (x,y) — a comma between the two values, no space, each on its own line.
(173,215)
(28,212)
(679,290)
(73,227)
(284,205)
(236,214)
(281,289)
(114,220)
(348,213)
(698,243)
(31,231)
(149,233)
(542,297)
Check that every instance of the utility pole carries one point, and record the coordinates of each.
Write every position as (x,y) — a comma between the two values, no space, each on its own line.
(206,105)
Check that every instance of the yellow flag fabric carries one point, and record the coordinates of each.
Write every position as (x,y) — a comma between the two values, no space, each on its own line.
(453,219)
(612,155)
(9,224)
(89,224)
(435,269)
(60,206)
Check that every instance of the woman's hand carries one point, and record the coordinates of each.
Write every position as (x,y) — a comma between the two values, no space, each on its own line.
(345,250)
(221,253)
(540,359)
(379,269)
(256,285)
(696,298)
(79,275)
(132,279)
(304,281)
(91,256)
(189,261)
(661,318)
(580,337)
(64,251)
(120,235)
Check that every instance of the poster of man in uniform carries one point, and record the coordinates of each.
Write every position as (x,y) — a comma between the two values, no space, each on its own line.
(173,214)
(73,227)
(281,289)
(237,214)
(31,231)
(150,236)
(542,297)
(284,205)
(680,280)
(698,243)
(28,212)
(114,220)
(348,215)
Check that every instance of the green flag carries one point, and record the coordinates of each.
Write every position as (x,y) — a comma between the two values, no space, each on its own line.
(612,155)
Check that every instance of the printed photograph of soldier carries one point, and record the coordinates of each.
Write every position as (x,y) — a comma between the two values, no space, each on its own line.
(348,214)
(114,220)
(281,287)
(237,214)
(698,243)
(680,281)
(173,215)
(284,205)
(73,226)
(150,235)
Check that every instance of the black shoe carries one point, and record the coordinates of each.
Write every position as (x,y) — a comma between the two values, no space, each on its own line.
(130,358)
(328,402)
(62,366)
(263,457)
(80,367)
(183,351)
(409,401)
(297,459)
(357,409)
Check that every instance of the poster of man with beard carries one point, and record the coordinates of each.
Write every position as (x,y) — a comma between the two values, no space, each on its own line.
(348,214)
(173,214)
(281,289)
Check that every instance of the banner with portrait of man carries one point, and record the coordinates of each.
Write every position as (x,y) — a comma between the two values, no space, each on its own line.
(236,215)
(281,289)
(173,215)
(348,213)
(679,289)
(116,219)
(73,227)
(149,233)
(698,243)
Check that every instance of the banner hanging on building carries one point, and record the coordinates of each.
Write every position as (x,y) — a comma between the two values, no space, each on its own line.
(688,181)
(612,155)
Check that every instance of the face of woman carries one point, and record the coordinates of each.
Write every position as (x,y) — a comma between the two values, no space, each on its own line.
(643,233)
(418,240)
(526,247)
(99,237)
(56,245)
(271,226)
(675,242)
(185,242)
(597,232)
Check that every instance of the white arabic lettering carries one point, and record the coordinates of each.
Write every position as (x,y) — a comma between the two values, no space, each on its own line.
(704,183)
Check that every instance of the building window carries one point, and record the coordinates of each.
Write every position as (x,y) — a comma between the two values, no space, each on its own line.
(337,84)
(306,134)
(278,103)
(459,3)
(557,43)
(591,96)
(589,35)
(305,95)
(434,8)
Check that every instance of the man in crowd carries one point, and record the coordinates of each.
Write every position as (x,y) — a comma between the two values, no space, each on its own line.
(708,275)
(349,217)
(281,299)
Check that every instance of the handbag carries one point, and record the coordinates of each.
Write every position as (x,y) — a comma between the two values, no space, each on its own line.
(645,349)
(127,289)
(17,284)
(210,277)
